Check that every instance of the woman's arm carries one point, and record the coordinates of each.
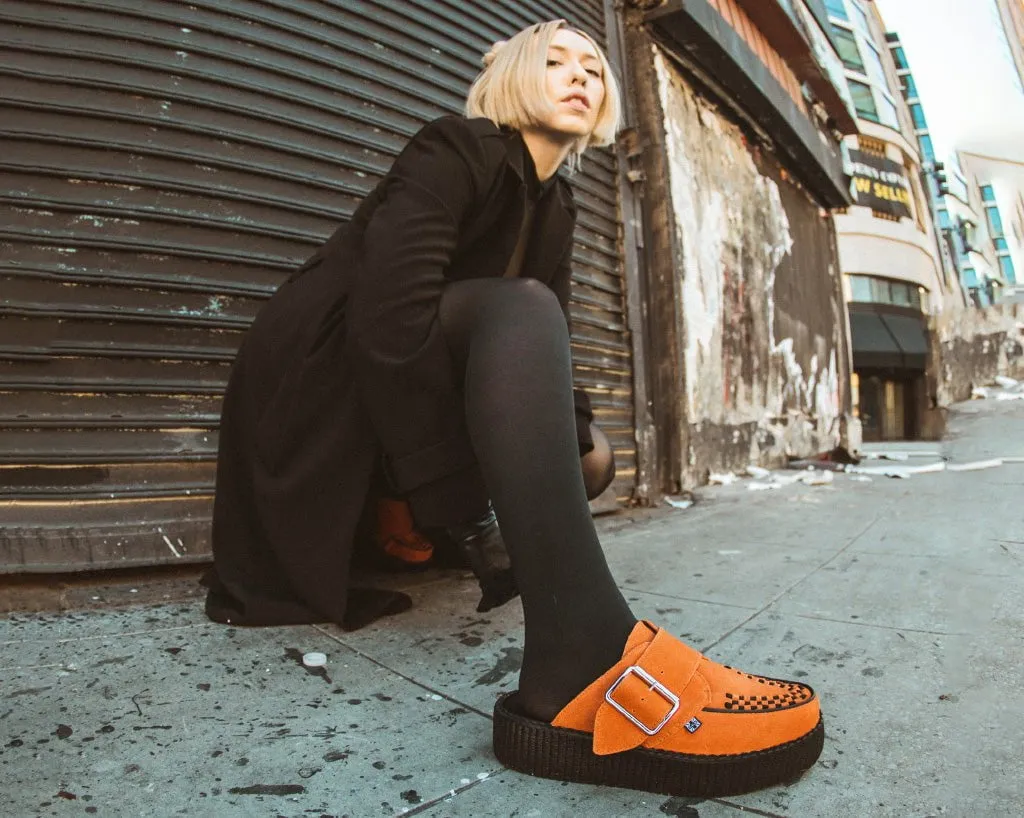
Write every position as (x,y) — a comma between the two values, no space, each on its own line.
(403,367)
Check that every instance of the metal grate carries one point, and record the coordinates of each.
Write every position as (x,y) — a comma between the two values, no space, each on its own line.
(164,166)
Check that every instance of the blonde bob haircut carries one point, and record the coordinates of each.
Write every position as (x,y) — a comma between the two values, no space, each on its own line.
(511,90)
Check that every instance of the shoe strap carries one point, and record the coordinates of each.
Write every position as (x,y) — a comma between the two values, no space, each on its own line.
(655,689)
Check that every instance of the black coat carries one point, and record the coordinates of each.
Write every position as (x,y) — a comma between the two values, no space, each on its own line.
(345,369)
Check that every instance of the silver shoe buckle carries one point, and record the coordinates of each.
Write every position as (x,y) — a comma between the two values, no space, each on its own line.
(654,686)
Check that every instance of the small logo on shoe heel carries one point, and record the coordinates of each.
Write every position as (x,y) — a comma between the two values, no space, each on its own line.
(693,725)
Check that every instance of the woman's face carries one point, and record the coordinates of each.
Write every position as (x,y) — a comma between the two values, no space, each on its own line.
(574,83)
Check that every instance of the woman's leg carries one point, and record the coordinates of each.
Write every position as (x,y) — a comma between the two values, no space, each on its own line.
(511,336)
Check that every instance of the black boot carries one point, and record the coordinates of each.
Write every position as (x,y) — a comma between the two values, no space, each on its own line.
(481,545)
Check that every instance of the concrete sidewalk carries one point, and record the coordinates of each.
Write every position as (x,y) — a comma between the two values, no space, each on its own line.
(899,600)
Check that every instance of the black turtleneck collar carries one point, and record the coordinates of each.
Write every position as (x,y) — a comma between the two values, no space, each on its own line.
(522,160)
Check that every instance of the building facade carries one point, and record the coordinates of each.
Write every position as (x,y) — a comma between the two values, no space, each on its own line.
(995,194)
(155,200)
(934,179)
(888,247)
(1011,18)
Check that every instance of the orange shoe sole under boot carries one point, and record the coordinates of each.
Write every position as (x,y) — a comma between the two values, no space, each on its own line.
(667,719)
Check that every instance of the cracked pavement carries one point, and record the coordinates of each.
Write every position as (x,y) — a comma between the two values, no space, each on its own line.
(900,601)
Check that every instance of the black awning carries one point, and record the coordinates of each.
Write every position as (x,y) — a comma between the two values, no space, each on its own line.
(887,340)
(873,344)
(912,337)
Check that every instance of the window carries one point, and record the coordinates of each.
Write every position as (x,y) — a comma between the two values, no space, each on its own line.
(860,18)
(900,58)
(970,277)
(909,86)
(860,288)
(1002,246)
(875,290)
(944,221)
(837,8)
(900,294)
(1006,265)
(887,114)
(917,112)
(874,64)
(927,151)
(863,100)
(995,223)
(846,45)
(987,193)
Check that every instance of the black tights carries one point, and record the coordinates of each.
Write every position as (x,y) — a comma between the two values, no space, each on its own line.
(511,337)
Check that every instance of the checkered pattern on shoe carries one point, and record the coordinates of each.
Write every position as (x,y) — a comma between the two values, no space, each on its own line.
(760,694)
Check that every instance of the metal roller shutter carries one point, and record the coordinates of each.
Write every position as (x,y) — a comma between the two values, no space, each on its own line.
(164,166)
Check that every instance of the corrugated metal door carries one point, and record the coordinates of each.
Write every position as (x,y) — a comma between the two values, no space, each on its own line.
(164,165)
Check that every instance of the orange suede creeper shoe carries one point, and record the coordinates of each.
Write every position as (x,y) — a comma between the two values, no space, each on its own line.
(667,719)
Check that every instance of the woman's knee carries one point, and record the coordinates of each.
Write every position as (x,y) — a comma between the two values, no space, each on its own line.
(528,297)
(499,299)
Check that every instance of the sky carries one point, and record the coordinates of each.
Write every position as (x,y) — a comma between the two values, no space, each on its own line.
(966,84)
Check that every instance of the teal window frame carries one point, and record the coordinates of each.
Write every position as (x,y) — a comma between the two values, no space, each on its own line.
(1008,271)
(927,149)
(837,9)
(917,114)
(995,222)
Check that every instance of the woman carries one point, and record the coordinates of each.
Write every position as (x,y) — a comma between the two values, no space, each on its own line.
(430,335)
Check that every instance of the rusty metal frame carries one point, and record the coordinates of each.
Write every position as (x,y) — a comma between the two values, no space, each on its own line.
(627,149)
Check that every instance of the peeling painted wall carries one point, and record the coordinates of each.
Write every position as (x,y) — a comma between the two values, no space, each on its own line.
(759,298)
(971,346)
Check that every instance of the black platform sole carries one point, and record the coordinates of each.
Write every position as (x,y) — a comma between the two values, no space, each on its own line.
(537,748)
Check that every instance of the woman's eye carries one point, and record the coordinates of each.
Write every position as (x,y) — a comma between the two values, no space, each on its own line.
(594,72)
(553,62)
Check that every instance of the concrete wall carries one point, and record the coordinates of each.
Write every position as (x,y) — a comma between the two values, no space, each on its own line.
(971,346)
(760,321)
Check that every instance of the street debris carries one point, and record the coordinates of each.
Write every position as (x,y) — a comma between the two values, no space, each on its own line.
(896,463)
(977,465)
(776,480)
(898,472)
(680,502)
(314,659)
(1003,389)
(817,478)
(901,456)
(722,478)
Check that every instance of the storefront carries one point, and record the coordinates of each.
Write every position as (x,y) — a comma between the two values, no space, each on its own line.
(890,350)
(171,164)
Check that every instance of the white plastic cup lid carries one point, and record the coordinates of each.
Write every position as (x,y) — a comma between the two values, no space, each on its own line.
(314,659)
